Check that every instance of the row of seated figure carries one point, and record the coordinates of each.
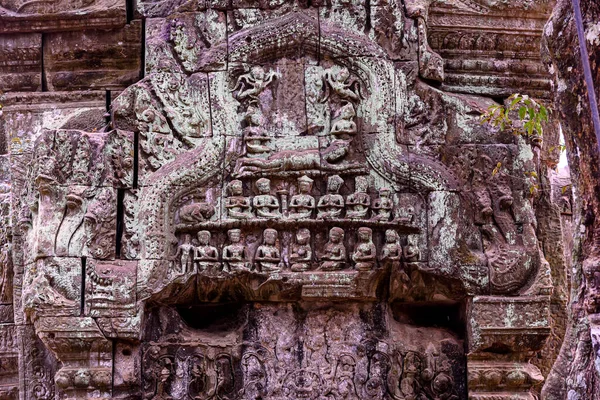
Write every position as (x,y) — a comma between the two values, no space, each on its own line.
(302,204)
(267,257)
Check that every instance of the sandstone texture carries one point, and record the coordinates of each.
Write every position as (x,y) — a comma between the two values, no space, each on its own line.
(267,199)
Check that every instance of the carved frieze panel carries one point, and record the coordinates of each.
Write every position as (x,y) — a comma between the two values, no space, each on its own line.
(20,62)
(497,61)
(321,356)
(74,179)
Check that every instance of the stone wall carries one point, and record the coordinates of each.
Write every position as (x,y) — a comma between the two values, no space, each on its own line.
(269,199)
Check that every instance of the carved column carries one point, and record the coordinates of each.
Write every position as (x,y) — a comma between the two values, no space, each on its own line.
(504,333)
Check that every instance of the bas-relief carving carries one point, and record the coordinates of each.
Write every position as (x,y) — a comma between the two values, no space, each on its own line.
(303,166)
(321,357)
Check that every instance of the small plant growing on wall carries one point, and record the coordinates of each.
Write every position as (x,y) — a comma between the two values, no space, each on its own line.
(524,117)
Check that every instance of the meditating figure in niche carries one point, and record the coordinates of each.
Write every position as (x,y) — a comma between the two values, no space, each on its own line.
(185,252)
(344,123)
(383,206)
(331,205)
(391,253)
(235,254)
(364,251)
(357,204)
(301,251)
(302,204)
(255,135)
(237,206)
(334,257)
(265,204)
(205,255)
(268,256)
(411,250)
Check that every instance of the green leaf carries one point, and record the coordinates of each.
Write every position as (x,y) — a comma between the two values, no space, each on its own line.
(544,113)
(522,112)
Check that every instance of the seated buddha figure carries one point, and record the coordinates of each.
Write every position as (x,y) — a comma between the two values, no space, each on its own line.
(332,204)
(301,251)
(391,253)
(268,256)
(357,204)
(364,252)
(235,254)
(302,204)
(237,206)
(205,255)
(265,204)
(334,256)
(383,206)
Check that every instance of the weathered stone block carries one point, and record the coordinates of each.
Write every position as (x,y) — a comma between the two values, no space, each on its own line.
(96,59)
(20,62)
(56,15)
(508,323)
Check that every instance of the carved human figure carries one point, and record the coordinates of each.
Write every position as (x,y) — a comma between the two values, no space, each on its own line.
(255,135)
(185,253)
(268,256)
(238,206)
(383,206)
(255,377)
(328,159)
(391,253)
(265,204)
(251,84)
(411,369)
(411,250)
(301,251)
(235,254)
(331,205)
(334,256)
(344,378)
(344,123)
(364,251)
(357,204)
(375,386)
(302,204)
(337,79)
(205,255)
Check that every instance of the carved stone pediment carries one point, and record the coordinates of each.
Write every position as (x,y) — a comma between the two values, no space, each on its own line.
(293,202)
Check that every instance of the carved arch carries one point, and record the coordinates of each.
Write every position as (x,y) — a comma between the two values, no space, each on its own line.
(297,34)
